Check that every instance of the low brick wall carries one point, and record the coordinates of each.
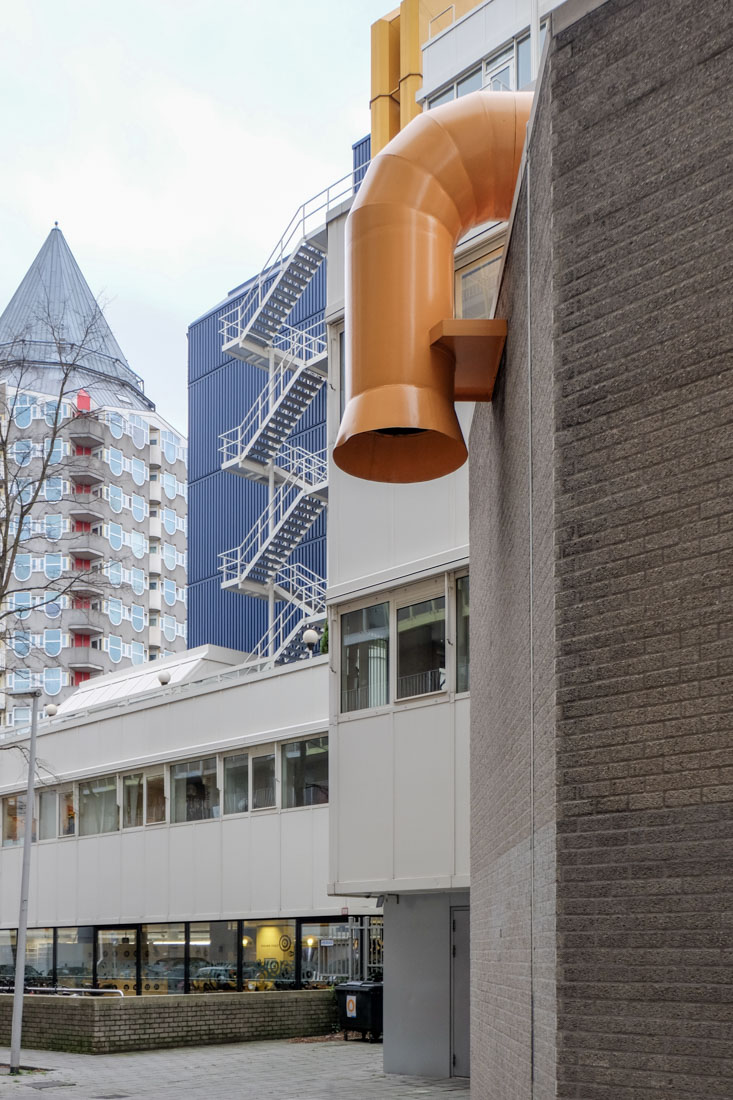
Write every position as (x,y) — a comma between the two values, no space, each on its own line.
(108,1025)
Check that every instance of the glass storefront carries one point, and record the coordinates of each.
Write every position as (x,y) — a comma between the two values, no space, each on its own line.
(198,956)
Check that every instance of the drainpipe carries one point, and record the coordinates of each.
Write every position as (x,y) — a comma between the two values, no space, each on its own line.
(450,169)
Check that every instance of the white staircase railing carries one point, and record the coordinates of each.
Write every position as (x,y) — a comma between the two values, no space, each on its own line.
(302,347)
(303,472)
(307,218)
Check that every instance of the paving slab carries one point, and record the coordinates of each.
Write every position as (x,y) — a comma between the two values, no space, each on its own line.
(240,1071)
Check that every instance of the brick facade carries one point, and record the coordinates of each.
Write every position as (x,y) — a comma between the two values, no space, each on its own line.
(109,1025)
(602,617)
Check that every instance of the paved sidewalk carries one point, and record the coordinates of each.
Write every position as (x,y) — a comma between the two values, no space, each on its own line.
(242,1071)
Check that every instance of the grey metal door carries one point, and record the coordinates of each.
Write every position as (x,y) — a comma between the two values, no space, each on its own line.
(460,994)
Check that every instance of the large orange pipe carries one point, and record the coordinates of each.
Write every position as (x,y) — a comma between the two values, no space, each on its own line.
(450,169)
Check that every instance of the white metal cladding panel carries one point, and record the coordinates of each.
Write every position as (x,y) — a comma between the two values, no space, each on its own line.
(375,528)
(462,787)
(154,873)
(296,860)
(423,782)
(364,799)
(319,849)
(236,886)
(132,873)
(264,862)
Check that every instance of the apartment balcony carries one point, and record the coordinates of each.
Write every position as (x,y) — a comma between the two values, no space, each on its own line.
(88,546)
(87,621)
(86,470)
(86,512)
(155,456)
(154,600)
(85,432)
(84,658)
(155,637)
(155,528)
(155,493)
(88,585)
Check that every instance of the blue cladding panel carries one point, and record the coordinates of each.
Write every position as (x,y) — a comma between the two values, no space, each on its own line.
(361,155)
(222,506)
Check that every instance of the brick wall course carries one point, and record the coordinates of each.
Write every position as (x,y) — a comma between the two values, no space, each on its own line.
(106,1025)
(631,272)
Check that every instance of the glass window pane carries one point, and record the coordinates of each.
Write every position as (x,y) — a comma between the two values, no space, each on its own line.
(268,951)
(443,97)
(13,820)
(39,957)
(477,288)
(155,800)
(98,806)
(194,794)
(46,815)
(67,817)
(365,658)
(162,956)
(132,801)
(305,773)
(236,783)
(117,959)
(462,636)
(470,83)
(74,951)
(329,954)
(213,957)
(421,648)
(263,782)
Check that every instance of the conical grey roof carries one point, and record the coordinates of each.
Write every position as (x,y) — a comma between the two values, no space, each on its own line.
(54,303)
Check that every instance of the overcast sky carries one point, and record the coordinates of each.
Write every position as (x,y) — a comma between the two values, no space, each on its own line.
(172,140)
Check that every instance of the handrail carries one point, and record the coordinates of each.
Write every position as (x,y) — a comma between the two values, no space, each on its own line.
(64,990)
(302,222)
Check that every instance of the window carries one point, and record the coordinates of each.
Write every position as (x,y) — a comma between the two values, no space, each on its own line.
(137,580)
(22,605)
(22,567)
(55,450)
(365,658)
(116,424)
(23,409)
(20,643)
(114,648)
(53,527)
(137,653)
(212,952)
(46,815)
(169,555)
(169,520)
(115,461)
(263,782)
(13,820)
(54,488)
(476,285)
(137,542)
(114,573)
(132,801)
(74,956)
(116,498)
(305,773)
(53,566)
(138,508)
(98,806)
(52,642)
(67,814)
(114,534)
(421,648)
(137,617)
(154,799)
(499,76)
(53,680)
(462,636)
(22,452)
(137,467)
(236,783)
(194,793)
(114,611)
(168,588)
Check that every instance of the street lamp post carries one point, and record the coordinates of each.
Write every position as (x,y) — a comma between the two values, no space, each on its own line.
(17,1024)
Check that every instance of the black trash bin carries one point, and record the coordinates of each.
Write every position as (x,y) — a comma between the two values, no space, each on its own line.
(360,1008)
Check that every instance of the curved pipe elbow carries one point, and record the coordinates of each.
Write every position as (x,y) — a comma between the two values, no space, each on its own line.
(450,169)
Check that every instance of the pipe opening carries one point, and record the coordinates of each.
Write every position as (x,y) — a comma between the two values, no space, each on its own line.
(401,431)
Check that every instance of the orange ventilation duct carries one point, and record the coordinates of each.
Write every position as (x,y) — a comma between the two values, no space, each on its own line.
(407,359)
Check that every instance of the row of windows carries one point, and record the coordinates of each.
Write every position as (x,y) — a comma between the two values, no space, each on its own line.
(52,642)
(22,603)
(119,463)
(199,956)
(170,556)
(172,487)
(119,501)
(194,790)
(171,445)
(50,680)
(508,70)
(133,426)
(27,407)
(404,640)
(50,526)
(23,451)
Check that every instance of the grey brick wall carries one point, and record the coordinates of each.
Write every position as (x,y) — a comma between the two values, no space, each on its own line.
(107,1025)
(626,617)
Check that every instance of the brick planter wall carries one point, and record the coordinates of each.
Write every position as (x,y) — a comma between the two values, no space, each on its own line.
(109,1025)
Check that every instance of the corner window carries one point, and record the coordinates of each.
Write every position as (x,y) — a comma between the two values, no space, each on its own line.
(305,773)
(463,682)
(476,285)
(194,793)
(421,648)
(365,658)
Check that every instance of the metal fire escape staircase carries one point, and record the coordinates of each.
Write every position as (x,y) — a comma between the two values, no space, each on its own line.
(296,361)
